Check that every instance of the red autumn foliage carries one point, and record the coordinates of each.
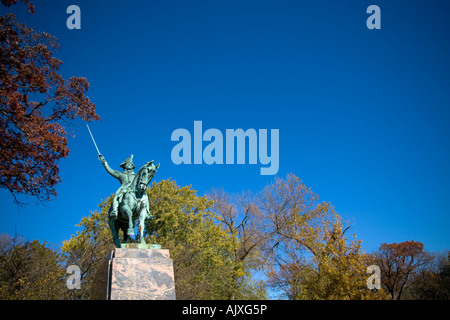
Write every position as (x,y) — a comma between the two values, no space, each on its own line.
(30,6)
(34,101)
(399,262)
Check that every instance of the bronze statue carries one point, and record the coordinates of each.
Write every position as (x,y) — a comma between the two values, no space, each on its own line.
(130,200)
(125,178)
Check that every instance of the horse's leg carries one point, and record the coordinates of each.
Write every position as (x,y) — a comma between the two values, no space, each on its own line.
(126,208)
(114,231)
(125,235)
(142,217)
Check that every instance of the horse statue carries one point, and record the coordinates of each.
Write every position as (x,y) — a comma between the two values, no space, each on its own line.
(130,202)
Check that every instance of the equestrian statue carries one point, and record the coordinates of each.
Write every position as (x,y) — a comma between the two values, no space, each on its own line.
(130,201)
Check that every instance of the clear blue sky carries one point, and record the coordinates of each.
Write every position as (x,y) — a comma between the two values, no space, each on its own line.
(363,114)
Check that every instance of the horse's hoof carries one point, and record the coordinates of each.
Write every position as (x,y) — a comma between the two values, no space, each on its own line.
(130,232)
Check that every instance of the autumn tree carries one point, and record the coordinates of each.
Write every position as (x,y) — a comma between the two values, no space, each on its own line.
(183,222)
(399,263)
(241,217)
(89,249)
(35,102)
(30,270)
(432,282)
(9,3)
(202,249)
(310,254)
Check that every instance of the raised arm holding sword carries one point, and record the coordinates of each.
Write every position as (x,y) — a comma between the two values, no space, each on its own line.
(125,177)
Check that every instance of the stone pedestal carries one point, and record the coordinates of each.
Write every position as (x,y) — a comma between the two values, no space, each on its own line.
(140,274)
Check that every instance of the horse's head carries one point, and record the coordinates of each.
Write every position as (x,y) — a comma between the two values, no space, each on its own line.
(145,175)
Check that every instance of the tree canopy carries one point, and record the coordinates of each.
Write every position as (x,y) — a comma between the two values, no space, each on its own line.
(201,249)
(30,270)
(281,241)
(35,102)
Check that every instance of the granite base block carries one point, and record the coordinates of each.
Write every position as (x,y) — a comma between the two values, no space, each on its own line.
(140,246)
(141,274)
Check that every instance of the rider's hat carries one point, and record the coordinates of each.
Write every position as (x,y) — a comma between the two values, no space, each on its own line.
(129,160)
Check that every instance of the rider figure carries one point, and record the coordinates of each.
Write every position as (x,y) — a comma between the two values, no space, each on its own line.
(125,178)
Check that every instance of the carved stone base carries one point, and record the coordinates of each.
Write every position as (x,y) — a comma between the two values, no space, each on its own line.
(139,246)
(140,274)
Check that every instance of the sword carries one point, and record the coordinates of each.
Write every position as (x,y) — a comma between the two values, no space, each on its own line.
(93,140)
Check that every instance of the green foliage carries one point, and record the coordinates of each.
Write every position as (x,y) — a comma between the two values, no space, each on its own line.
(283,236)
(313,258)
(89,248)
(29,270)
(202,250)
